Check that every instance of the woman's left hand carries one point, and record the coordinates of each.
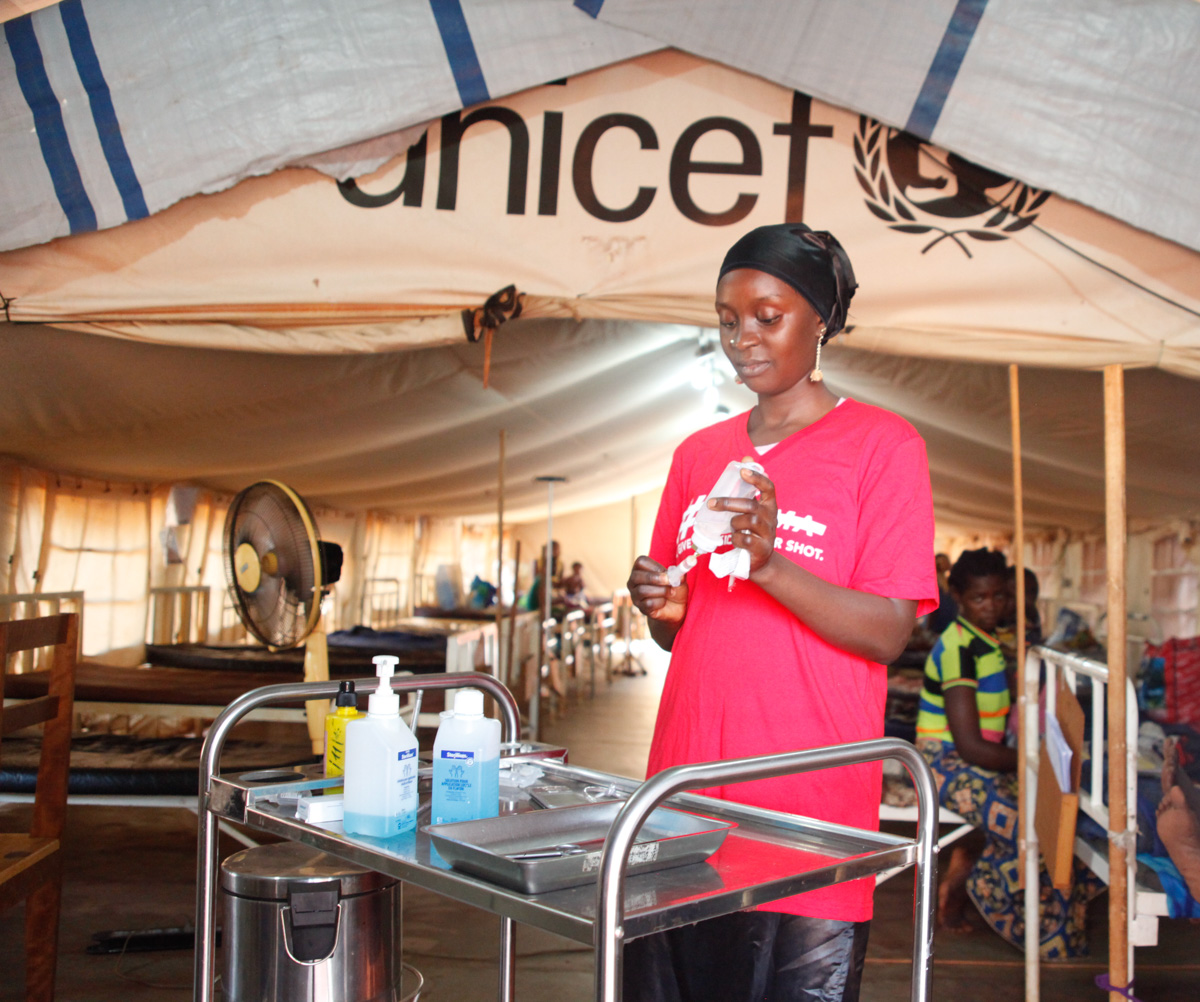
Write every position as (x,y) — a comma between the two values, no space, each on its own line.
(869,626)
(753,522)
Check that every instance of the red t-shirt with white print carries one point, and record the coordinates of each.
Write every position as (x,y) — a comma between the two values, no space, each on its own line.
(746,676)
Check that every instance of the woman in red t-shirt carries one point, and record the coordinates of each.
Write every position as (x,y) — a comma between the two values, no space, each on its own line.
(837,555)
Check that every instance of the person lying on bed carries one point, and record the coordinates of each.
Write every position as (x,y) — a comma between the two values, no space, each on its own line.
(960,731)
(1179,818)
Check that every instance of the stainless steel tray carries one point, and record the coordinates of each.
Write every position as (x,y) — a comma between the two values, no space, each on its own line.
(487,848)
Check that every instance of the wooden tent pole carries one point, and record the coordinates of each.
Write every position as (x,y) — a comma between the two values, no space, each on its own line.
(1027,841)
(414,566)
(632,530)
(1119,835)
(514,680)
(503,671)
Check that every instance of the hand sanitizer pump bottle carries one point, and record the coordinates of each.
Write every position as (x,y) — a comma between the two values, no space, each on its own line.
(466,763)
(381,764)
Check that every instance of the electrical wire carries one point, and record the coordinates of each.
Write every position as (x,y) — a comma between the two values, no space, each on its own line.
(128,975)
(1113,271)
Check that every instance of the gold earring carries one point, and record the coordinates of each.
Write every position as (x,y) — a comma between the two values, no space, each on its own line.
(816,375)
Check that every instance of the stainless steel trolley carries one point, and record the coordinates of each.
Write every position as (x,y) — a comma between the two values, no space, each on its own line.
(793,854)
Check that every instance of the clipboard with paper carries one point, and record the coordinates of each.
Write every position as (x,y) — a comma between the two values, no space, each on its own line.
(1059,770)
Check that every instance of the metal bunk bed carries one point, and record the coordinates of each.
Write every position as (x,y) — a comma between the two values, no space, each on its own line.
(1146,902)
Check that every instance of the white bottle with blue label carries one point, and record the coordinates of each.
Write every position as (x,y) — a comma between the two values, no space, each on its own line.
(466,763)
(381,764)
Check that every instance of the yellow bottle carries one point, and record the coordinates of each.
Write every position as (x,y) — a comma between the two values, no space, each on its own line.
(345,710)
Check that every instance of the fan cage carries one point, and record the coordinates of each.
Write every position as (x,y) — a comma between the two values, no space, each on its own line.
(285,607)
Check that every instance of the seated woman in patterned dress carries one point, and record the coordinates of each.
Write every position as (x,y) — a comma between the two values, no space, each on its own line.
(961,732)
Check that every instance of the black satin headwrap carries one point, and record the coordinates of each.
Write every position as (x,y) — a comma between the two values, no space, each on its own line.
(811,261)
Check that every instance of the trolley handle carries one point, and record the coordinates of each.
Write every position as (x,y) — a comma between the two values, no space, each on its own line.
(610,890)
(210,757)
(290,691)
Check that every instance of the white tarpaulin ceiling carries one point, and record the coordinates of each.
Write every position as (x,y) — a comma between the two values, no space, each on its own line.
(111,109)
(609,196)
(601,402)
(614,195)
(1097,100)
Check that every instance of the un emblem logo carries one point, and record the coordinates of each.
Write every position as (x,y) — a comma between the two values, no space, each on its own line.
(914,190)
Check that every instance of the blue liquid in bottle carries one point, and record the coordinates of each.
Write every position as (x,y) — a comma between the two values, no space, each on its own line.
(466,763)
(381,766)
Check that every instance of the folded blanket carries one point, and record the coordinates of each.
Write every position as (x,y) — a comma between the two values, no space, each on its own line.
(1180,903)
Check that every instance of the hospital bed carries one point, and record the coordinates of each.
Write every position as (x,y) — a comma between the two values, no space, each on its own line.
(1086,677)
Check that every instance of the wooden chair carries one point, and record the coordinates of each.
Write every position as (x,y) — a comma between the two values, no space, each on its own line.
(602,625)
(554,692)
(630,627)
(31,863)
(571,646)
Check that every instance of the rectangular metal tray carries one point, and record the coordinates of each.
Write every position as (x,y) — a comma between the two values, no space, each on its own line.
(485,848)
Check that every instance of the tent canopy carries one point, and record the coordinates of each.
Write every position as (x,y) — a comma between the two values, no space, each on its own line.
(115,109)
(600,402)
(256,331)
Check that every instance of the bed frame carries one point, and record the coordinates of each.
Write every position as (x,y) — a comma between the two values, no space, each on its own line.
(890,812)
(177,615)
(31,605)
(1147,901)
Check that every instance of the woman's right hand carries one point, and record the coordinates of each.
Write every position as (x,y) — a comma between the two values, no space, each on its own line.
(653,595)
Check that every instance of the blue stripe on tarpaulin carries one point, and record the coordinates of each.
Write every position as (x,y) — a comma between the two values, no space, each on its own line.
(460,50)
(591,7)
(105,116)
(945,66)
(48,123)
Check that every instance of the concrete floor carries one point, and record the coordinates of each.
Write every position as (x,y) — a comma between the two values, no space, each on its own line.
(134,868)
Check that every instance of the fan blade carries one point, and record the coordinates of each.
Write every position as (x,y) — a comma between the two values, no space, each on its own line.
(269,525)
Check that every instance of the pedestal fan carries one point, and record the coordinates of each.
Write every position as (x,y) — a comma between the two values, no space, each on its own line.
(278,569)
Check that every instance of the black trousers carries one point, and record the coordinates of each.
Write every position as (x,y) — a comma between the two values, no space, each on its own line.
(748,957)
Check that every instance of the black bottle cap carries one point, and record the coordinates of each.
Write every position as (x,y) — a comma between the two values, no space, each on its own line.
(346,695)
